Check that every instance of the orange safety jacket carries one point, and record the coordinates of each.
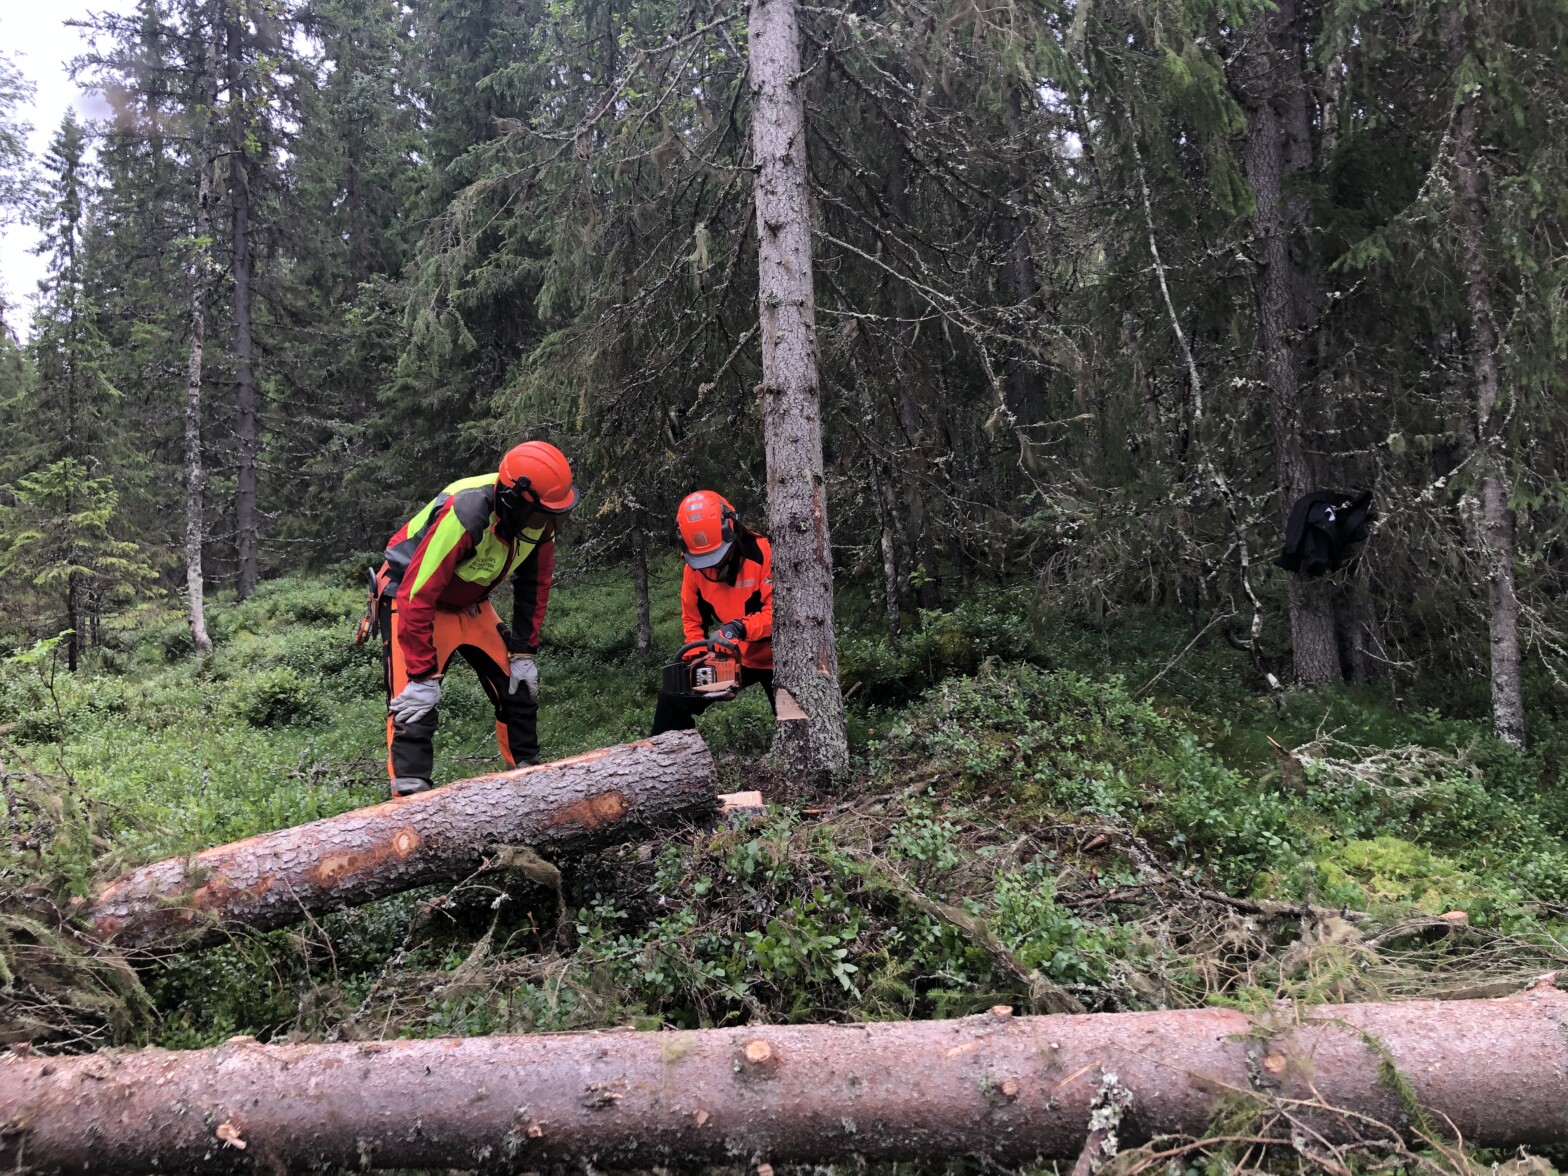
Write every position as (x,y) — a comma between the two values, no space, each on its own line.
(748,596)
(450,556)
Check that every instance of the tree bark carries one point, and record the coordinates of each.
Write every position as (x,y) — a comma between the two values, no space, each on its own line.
(640,584)
(195,468)
(1267,82)
(924,587)
(1491,527)
(890,580)
(1007,1089)
(566,807)
(71,281)
(245,429)
(73,620)
(805,654)
(1025,391)
(892,595)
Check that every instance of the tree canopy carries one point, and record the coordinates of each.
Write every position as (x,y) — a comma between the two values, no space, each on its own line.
(1102,289)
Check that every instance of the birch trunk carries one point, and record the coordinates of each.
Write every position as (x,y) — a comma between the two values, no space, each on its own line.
(1491,525)
(806,657)
(577,804)
(195,468)
(640,584)
(997,1088)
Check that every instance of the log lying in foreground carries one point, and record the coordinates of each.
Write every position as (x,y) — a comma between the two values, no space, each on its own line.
(582,803)
(1011,1089)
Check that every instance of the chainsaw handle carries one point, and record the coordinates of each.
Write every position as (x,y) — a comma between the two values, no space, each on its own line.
(708,645)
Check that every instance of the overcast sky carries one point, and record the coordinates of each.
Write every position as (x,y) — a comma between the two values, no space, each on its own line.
(34,33)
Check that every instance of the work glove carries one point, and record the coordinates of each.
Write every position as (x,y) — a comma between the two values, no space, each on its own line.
(416,700)
(733,630)
(524,673)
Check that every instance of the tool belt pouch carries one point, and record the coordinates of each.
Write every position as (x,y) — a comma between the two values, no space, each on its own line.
(367,623)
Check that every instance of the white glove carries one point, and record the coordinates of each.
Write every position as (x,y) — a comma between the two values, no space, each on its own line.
(524,673)
(416,700)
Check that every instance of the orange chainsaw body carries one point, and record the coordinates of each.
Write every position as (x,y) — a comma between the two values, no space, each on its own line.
(704,669)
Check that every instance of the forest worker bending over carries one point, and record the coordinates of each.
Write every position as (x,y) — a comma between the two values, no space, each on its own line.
(433,593)
(726,585)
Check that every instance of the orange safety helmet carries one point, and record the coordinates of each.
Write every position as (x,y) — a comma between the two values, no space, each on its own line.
(536,475)
(707,524)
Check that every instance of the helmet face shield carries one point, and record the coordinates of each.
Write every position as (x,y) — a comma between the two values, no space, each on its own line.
(708,559)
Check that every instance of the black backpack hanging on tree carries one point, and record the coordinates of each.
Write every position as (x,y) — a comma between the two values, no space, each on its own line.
(1324,525)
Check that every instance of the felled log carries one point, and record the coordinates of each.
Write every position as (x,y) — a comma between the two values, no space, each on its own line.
(1009,1089)
(566,807)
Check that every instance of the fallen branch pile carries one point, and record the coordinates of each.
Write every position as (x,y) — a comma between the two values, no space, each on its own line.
(1494,1073)
(570,806)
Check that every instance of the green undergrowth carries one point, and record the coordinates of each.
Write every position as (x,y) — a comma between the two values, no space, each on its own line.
(1038,815)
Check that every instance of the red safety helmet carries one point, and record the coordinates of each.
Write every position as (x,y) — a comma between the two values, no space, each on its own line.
(537,475)
(707,524)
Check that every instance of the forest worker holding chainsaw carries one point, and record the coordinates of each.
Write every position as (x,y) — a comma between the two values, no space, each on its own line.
(430,599)
(726,590)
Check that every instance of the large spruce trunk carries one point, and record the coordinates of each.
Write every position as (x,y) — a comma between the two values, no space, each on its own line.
(805,655)
(246,434)
(1008,1090)
(1491,525)
(1268,81)
(569,806)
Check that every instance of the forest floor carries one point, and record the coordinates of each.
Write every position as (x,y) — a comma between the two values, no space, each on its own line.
(1038,806)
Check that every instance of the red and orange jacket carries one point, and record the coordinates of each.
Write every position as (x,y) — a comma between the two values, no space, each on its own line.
(707,604)
(449,556)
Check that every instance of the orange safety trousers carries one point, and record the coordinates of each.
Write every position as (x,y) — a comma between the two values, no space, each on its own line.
(475,632)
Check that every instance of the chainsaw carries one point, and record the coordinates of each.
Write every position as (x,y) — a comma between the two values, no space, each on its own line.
(708,670)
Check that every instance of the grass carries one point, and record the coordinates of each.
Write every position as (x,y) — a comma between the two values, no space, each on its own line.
(1025,823)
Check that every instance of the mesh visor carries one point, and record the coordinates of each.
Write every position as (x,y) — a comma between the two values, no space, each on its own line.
(707,559)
